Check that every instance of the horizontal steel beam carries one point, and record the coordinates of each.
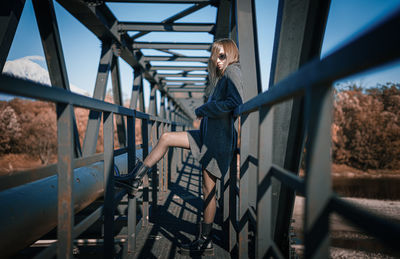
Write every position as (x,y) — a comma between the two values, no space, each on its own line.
(193,90)
(162,1)
(176,17)
(184,81)
(193,68)
(168,45)
(175,58)
(174,27)
(185,86)
(33,206)
(183,75)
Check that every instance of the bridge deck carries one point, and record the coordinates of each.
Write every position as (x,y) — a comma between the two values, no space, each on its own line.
(178,218)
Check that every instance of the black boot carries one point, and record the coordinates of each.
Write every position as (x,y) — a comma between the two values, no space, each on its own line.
(133,180)
(202,245)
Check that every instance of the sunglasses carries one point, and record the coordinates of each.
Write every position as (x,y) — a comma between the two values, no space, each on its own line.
(222,56)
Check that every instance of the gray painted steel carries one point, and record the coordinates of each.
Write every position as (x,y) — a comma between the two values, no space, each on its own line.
(319,104)
(117,96)
(298,40)
(177,16)
(137,89)
(100,20)
(93,125)
(175,27)
(185,74)
(162,1)
(109,190)
(9,19)
(184,68)
(51,41)
(167,45)
(175,58)
(247,43)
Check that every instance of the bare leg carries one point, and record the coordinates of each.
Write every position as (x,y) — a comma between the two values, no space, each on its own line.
(209,197)
(168,139)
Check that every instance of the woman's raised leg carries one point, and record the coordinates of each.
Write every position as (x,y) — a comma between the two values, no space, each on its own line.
(168,139)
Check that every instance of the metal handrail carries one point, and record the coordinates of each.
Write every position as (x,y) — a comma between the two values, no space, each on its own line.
(24,88)
(365,52)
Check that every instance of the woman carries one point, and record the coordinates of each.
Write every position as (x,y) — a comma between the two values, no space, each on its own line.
(214,144)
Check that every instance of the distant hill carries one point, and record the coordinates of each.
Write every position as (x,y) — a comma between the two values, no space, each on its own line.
(29,68)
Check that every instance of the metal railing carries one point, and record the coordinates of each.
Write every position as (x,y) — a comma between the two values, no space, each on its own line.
(83,180)
(378,46)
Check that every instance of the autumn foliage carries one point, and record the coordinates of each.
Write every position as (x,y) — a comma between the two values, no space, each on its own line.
(366,127)
(365,130)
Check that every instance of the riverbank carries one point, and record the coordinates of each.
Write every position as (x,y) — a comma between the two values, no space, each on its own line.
(346,240)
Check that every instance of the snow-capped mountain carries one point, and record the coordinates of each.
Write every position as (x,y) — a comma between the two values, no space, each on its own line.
(27,68)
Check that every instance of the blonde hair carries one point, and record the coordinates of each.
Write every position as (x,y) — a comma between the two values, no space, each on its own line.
(232,56)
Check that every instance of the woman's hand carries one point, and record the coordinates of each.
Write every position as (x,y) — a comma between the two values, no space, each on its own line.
(199,117)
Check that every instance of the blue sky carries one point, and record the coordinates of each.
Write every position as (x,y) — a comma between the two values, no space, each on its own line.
(347,19)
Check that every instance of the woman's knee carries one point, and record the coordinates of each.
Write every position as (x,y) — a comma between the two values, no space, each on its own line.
(165,137)
(208,183)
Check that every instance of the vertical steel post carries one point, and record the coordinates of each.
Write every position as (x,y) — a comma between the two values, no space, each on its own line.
(137,87)
(117,95)
(145,205)
(153,132)
(65,170)
(247,43)
(153,101)
(51,41)
(222,30)
(131,242)
(233,221)
(319,104)
(298,39)
(93,125)
(264,190)
(9,19)
(108,135)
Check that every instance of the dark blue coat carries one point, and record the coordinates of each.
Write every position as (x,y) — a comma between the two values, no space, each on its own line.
(214,144)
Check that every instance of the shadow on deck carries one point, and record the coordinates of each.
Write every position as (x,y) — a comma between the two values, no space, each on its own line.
(178,217)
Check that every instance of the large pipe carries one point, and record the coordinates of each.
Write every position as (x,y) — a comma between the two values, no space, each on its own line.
(29,211)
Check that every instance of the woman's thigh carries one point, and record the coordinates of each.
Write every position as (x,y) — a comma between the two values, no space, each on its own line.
(177,139)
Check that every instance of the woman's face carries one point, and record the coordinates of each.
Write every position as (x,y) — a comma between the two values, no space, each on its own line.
(221,59)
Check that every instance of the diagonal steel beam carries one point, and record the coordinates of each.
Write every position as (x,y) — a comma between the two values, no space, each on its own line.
(51,41)
(170,27)
(9,18)
(93,125)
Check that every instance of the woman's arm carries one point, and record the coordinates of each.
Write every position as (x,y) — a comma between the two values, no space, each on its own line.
(216,109)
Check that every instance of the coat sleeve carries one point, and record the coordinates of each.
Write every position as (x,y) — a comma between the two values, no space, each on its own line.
(219,108)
